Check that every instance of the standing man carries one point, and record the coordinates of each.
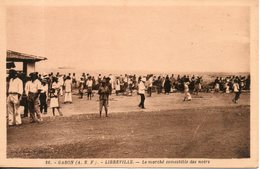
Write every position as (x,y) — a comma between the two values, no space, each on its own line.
(44,96)
(74,81)
(61,83)
(237,91)
(68,90)
(109,85)
(150,85)
(103,92)
(141,92)
(89,85)
(167,85)
(15,90)
(32,89)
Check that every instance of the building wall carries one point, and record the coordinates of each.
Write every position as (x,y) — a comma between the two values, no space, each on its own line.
(30,68)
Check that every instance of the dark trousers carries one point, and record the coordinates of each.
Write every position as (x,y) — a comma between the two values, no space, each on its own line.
(24,103)
(26,110)
(142,101)
(149,91)
(131,88)
(159,89)
(237,95)
(103,103)
(33,106)
(89,92)
(43,103)
(81,93)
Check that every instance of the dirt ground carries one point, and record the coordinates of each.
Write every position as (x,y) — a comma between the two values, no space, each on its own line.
(209,126)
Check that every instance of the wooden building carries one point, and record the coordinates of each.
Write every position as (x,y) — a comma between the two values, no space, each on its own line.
(27,60)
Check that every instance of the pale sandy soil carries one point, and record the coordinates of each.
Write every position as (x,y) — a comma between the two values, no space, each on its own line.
(210,126)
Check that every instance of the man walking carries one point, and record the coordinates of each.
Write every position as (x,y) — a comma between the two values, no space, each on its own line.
(141,92)
(103,92)
(237,91)
(15,91)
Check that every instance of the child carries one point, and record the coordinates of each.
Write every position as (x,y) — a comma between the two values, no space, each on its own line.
(54,103)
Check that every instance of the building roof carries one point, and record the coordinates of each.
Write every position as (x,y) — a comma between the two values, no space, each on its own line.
(21,57)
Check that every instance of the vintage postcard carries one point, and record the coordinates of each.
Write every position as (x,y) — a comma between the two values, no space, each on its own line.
(129,83)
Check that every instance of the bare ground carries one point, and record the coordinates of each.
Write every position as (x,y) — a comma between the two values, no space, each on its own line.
(188,131)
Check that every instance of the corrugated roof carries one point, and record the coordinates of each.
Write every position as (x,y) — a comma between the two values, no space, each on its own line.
(20,57)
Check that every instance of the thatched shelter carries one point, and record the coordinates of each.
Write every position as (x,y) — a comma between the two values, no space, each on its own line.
(28,60)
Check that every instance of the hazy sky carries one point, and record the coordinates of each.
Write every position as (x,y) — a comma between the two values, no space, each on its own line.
(159,38)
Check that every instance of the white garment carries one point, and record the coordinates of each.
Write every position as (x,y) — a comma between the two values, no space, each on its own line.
(236,87)
(13,111)
(126,79)
(141,88)
(89,83)
(117,85)
(32,87)
(217,86)
(44,89)
(68,97)
(15,86)
(186,87)
(54,102)
(67,85)
(61,81)
(38,82)
(187,95)
(151,82)
(227,89)
(55,85)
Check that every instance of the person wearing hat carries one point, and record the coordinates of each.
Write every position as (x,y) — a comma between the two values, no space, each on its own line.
(103,92)
(44,96)
(141,92)
(32,90)
(15,90)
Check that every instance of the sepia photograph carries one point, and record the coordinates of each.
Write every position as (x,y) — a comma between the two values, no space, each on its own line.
(130,83)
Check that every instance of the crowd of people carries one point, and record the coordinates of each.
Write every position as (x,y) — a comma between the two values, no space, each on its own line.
(32,95)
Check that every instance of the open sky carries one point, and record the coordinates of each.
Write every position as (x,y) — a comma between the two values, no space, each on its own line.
(151,38)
